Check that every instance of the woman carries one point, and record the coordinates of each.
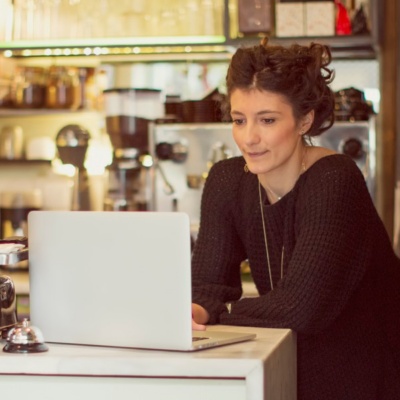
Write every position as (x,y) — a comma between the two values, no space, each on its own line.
(319,255)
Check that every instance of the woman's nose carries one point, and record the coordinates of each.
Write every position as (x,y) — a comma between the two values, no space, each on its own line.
(251,134)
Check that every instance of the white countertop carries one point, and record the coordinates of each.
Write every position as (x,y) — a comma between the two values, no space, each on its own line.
(260,369)
(234,360)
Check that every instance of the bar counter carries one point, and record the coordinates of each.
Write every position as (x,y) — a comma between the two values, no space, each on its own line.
(260,369)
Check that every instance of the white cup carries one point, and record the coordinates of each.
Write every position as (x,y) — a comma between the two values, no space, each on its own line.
(40,148)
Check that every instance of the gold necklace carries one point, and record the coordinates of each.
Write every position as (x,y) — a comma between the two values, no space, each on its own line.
(273,193)
(266,241)
(302,169)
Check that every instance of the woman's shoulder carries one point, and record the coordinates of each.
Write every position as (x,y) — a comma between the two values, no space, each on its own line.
(323,160)
(332,173)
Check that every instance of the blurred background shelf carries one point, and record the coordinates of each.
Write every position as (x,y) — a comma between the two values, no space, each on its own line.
(24,162)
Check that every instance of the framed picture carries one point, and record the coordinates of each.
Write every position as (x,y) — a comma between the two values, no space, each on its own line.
(255,16)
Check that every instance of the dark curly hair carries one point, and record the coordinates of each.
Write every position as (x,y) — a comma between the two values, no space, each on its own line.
(300,73)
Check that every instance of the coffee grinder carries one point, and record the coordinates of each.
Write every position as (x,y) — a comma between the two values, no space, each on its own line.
(128,113)
(72,144)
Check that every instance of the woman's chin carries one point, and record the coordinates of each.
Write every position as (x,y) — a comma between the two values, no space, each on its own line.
(255,169)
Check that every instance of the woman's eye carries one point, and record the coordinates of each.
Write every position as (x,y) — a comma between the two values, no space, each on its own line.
(268,120)
(238,121)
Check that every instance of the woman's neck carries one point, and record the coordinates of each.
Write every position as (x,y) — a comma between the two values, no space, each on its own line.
(280,182)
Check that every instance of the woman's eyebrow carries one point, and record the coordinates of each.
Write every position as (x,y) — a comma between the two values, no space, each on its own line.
(261,112)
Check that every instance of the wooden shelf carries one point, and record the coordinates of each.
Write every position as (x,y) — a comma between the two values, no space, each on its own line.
(217,47)
(24,162)
(37,111)
(342,47)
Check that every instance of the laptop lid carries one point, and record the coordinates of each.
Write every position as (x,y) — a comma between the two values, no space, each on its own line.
(113,279)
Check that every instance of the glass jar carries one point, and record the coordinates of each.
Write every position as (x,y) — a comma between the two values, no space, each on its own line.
(5,93)
(63,88)
(29,88)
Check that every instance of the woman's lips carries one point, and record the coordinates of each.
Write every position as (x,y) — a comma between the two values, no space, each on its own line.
(256,154)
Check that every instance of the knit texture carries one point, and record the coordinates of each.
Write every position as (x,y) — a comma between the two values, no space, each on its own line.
(341,286)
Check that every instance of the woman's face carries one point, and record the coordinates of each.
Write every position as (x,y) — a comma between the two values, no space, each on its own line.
(265,130)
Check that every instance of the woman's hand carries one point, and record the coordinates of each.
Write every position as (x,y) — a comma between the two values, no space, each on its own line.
(200,317)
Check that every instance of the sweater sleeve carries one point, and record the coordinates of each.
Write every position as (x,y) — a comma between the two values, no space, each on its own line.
(334,216)
(218,251)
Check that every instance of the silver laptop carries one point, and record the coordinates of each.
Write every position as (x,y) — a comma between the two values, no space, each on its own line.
(115,279)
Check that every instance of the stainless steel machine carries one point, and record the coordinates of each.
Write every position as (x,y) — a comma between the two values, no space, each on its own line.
(8,313)
(13,251)
(357,139)
(183,154)
(177,180)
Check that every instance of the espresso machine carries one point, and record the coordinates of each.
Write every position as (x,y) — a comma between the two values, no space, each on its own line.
(128,112)
(13,251)
(8,309)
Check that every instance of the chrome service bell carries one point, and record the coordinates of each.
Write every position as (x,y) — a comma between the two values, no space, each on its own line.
(24,338)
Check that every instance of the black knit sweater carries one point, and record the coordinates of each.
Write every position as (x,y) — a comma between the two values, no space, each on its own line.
(341,285)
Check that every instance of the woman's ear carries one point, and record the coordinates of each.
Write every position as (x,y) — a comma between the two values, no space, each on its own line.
(306,123)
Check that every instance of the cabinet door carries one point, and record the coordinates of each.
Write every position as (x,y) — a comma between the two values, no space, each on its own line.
(104,388)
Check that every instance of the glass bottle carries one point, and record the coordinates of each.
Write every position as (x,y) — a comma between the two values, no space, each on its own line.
(63,88)
(29,87)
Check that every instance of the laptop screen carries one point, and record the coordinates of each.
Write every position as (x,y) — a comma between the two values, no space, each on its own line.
(111,278)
